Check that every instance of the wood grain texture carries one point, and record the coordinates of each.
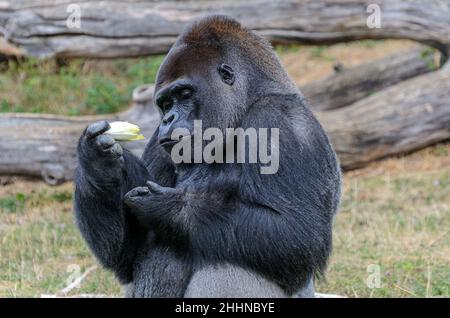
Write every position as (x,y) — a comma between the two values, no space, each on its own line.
(43,145)
(136,28)
(352,84)
(405,117)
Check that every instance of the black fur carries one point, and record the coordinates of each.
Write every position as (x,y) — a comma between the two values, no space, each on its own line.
(192,215)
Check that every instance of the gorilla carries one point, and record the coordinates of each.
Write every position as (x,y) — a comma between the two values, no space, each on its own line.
(213,229)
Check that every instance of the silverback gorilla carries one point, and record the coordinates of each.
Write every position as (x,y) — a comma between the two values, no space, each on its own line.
(213,229)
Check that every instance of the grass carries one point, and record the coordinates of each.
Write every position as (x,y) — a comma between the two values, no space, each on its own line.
(41,248)
(86,87)
(395,217)
(394,220)
(76,87)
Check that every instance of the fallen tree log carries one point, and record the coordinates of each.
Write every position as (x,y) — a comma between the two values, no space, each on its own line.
(135,28)
(405,117)
(44,145)
(349,85)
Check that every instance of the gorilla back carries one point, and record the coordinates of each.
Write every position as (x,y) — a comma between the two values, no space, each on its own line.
(212,229)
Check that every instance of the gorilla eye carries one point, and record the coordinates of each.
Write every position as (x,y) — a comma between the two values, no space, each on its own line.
(186,93)
(226,73)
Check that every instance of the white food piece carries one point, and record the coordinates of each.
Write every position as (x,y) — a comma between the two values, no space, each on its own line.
(124,131)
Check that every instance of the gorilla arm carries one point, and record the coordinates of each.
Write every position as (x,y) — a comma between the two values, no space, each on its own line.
(223,228)
(174,212)
(291,210)
(251,235)
(104,173)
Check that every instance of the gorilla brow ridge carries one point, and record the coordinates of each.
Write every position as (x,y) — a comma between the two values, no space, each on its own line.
(221,32)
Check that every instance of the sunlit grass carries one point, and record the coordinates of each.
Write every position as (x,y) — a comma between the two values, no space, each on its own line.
(395,215)
(77,87)
(41,247)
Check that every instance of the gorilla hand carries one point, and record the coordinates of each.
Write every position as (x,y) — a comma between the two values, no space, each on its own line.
(99,154)
(146,203)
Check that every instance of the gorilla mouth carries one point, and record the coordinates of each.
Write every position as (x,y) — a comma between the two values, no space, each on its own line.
(169,142)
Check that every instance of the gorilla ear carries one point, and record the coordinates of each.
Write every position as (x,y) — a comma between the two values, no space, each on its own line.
(226,73)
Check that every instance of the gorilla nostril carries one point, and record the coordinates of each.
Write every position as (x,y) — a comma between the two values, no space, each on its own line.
(168,119)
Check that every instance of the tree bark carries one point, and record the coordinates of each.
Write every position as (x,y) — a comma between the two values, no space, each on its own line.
(405,117)
(349,85)
(44,145)
(136,28)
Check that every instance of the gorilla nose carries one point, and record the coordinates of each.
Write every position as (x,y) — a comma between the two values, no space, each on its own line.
(169,118)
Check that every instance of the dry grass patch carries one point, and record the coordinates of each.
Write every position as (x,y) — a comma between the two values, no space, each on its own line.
(395,214)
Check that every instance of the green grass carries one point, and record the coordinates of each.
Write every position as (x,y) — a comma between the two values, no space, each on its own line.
(399,223)
(396,221)
(428,55)
(87,87)
(41,246)
(319,52)
(13,203)
(74,87)
(293,48)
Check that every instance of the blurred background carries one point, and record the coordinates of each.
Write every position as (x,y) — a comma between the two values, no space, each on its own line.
(375,74)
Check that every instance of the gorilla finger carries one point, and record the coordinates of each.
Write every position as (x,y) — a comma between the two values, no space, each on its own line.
(116,150)
(137,192)
(129,200)
(105,141)
(154,187)
(96,129)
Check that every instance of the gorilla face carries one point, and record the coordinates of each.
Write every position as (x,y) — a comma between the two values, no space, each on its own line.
(178,105)
(184,95)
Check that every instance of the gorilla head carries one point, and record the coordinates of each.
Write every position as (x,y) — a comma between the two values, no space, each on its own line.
(214,72)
